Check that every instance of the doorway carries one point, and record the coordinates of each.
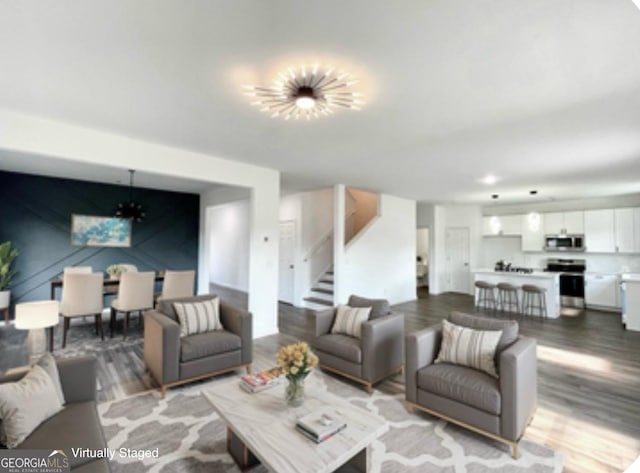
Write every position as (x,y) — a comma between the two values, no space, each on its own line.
(286,261)
(422,259)
(457,258)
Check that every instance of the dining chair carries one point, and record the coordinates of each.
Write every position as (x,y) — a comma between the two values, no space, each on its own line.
(78,270)
(81,296)
(178,284)
(135,294)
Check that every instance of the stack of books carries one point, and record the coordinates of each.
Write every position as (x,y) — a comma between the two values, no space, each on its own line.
(260,381)
(321,424)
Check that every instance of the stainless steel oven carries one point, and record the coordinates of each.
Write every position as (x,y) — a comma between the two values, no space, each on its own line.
(571,280)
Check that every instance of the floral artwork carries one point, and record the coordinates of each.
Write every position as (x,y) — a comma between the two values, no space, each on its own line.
(89,230)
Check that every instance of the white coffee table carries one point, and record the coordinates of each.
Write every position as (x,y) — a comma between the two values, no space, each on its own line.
(261,429)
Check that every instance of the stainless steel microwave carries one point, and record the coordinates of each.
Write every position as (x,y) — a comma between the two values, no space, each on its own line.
(564,243)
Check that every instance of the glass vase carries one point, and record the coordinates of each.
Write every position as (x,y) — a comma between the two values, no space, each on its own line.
(295,392)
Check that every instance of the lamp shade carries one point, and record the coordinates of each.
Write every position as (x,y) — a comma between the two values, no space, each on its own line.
(41,314)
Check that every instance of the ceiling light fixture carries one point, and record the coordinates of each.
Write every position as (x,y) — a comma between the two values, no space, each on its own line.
(131,209)
(489,179)
(306,93)
(533,192)
(495,196)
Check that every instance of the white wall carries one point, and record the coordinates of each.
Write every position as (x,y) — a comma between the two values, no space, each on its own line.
(453,216)
(30,134)
(381,261)
(228,240)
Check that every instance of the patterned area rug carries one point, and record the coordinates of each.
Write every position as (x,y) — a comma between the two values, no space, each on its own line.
(192,438)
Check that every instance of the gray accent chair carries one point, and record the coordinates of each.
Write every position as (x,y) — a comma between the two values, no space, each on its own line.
(497,408)
(172,360)
(78,424)
(377,355)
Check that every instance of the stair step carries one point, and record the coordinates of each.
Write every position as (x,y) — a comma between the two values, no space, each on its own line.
(322,290)
(330,272)
(317,300)
(326,281)
(325,285)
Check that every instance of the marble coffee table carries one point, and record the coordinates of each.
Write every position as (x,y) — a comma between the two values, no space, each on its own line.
(261,429)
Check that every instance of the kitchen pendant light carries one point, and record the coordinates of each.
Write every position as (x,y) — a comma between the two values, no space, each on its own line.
(130,210)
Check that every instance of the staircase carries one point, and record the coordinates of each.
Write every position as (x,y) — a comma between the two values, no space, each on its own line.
(321,294)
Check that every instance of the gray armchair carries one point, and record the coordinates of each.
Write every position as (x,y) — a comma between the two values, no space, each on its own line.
(172,360)
(497,408)
(378,354)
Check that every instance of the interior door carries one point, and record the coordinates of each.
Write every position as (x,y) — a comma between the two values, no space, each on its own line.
(457,257)
(286,262)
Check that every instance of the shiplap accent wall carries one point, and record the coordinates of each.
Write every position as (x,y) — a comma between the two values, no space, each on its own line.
(35,215)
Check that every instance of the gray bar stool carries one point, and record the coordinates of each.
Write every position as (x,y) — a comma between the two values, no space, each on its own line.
(534,298)
(508,297)
(485,295)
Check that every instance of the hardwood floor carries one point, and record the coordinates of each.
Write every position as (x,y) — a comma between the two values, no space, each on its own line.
(588,374)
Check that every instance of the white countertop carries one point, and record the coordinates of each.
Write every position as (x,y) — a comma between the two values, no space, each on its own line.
(630,277)
(507,274)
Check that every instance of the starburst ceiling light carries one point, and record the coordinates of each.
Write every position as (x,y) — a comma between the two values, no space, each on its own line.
(130,209)
(307,93)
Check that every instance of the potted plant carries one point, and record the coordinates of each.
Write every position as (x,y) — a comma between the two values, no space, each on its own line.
(7,255)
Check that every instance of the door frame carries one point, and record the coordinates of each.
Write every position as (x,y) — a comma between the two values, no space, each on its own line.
(293,261)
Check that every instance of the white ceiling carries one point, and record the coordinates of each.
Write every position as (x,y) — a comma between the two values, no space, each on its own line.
(545,94)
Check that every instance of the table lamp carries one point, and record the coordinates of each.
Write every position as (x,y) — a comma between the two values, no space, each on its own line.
(35,317)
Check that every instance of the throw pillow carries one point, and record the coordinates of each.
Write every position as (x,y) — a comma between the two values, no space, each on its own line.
(469,347)
(48,363)
(198,317)
(27,403)
(349,320)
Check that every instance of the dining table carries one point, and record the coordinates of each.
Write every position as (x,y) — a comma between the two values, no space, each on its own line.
(110,288)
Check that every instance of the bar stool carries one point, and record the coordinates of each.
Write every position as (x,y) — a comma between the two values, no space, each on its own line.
(534,298)
(485,295)
(508,297)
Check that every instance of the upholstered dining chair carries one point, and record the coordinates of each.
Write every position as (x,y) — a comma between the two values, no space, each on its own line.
(135,294)
(178,284)
(78,270)
(81,296)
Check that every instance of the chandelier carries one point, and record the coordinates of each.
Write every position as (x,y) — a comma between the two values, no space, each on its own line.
(131,209)
(306,92)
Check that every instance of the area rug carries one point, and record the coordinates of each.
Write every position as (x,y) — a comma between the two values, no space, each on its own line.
(192,438)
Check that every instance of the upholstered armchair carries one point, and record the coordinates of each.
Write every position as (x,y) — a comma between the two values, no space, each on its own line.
(172,360)
(379,353)
(499,408)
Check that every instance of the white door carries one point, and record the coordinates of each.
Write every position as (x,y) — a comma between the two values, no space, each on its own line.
(457,257)
(287,254)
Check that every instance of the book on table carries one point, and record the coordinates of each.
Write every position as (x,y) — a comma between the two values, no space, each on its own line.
(265,379)
(321,424)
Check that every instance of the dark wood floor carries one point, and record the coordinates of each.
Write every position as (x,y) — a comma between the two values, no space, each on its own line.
(588,375)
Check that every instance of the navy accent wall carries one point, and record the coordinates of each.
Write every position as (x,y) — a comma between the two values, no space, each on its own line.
(35,215)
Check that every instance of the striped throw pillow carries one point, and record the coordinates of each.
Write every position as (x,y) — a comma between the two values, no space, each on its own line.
(198,317)
(349,320)
(468,347)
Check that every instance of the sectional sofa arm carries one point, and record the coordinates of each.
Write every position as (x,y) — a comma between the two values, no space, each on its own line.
(161,347)
(518,386)
(240,322)
(382,346)
(421,350)
(78,378)
(322,321)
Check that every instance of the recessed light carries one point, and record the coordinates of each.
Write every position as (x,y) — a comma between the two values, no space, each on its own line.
(489,179)
(533,192)
(495,196)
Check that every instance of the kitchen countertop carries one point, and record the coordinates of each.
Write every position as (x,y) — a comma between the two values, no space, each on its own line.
(535,274)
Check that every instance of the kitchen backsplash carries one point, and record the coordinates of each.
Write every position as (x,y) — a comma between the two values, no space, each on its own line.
(508,249)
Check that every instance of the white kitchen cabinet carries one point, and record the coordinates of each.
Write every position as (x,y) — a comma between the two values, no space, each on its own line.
(601,290)
(507,225)
(599,231)
(557,223)
(532,232)
(626,241)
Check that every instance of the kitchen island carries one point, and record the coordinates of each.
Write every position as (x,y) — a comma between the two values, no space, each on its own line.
(548,281)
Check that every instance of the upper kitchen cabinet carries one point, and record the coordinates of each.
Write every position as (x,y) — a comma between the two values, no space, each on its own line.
(532,231)
(559,223)
(627,230)
(599,231)
(503,225)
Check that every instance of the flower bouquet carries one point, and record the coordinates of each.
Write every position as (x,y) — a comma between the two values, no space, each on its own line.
(296,361)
